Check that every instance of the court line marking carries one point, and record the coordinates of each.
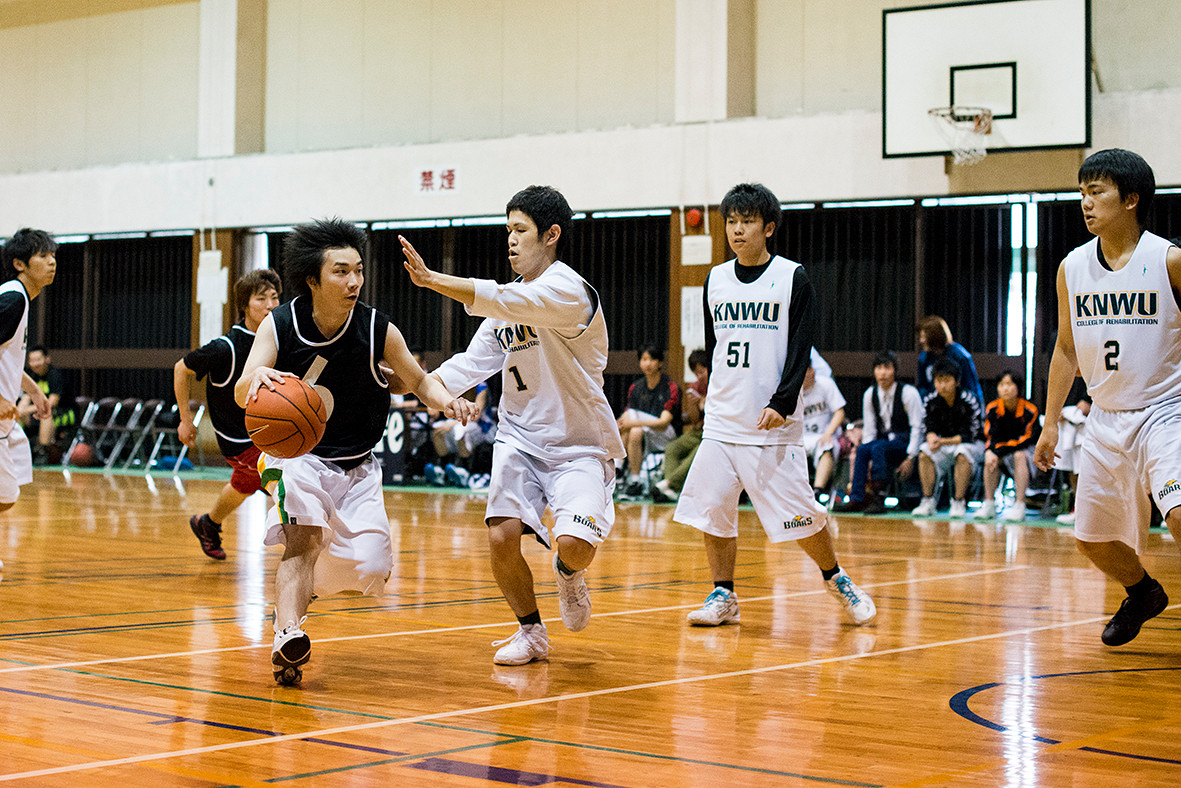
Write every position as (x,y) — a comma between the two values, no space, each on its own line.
(478,710)
(1077,744)
(468,627)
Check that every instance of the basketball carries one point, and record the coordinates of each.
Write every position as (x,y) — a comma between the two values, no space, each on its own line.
(82,456)
(288,421)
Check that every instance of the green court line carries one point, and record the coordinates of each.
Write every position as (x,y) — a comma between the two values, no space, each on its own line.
(399,759)
(221,694)
(215,473)
(674,758)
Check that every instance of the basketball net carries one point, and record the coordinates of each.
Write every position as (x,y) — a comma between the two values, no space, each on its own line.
(965,130)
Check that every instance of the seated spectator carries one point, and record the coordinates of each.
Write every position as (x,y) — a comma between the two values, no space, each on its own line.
(954,439)
(651,418)
(455,442)
(847,444)
(1011,430)
(935,342)
(1071,428)
(823,415)
(892,432)
(679,453)
(44,432)
(421,459)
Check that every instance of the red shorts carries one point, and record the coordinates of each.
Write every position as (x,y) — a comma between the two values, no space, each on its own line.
(245,478)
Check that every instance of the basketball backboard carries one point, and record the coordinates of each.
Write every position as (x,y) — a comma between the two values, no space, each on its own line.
(1026,60)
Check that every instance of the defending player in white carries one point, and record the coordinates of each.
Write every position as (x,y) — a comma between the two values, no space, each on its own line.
(758,330)
(546,335)
(1119,327)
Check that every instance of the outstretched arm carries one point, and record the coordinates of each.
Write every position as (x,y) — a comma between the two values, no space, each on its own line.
(429,390)
(457,288)
(557,304)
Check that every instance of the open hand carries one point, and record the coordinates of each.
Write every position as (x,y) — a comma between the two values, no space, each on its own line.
(420,274)
(265,376)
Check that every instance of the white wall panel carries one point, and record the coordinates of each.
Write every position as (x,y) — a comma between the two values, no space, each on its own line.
(441,70)
(397,76)
(543,66)
(119,87)
(467,69)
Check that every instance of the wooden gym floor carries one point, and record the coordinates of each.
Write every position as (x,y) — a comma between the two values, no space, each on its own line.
(128,658)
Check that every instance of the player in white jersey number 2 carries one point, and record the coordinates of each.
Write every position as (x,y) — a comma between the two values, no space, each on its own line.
(1119,328)
(557,440)
(758,334)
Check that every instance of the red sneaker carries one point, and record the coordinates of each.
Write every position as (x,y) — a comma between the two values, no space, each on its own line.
(209,535)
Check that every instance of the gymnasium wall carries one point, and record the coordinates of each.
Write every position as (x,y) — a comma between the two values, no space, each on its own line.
(362,95)
(98,90)
(421,72)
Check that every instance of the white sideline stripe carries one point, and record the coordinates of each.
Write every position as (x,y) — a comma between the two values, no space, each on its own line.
(497,625)
(326,732)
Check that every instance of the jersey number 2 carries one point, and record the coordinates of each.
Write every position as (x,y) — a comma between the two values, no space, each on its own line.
(732,354)
(1111,360)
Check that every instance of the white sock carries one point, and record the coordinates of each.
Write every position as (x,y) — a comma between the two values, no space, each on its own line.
(635,477)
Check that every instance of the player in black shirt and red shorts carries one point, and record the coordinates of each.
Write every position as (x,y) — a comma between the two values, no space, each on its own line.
(222,360)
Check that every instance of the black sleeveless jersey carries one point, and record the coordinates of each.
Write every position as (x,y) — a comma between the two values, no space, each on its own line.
(222,359)
(359,390)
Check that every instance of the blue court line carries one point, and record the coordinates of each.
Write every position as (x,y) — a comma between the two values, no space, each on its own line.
(160,718)
(959,704)
(429,761)
(673,758)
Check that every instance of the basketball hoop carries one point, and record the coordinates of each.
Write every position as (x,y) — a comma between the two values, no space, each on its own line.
(965,129)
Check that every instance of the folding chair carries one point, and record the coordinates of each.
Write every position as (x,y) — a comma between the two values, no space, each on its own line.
(96,417)
(152,408)
(122,428)
(166,428)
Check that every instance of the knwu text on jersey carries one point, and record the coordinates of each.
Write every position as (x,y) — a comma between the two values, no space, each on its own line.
(1115,307)
(762,314)
(515,337)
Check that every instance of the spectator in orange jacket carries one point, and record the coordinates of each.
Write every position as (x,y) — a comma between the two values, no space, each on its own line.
(1011,429)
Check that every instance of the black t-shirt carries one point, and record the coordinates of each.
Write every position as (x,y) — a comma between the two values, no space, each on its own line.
(666,396)
(222,360)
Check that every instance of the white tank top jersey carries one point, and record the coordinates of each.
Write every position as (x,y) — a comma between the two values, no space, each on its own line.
(12,352)
(548,339)
(750,323)
(819,403)
(1126,325)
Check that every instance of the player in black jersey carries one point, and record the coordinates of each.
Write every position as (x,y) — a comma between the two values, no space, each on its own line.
(329,513)
(222,360)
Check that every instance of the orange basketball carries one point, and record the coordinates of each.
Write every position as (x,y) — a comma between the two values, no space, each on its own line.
(288,421)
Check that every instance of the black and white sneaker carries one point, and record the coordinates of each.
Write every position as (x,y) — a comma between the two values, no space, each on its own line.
(292,649)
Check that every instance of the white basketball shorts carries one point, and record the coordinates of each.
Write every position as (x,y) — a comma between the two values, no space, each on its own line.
(1127,460)
(16,462)
(945,457)
(579,492)
(311,492)
(654,439)
(775,477)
